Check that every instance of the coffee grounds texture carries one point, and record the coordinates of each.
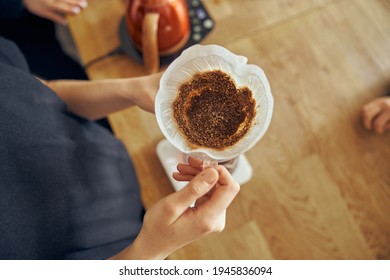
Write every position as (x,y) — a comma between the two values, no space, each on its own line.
(210,111)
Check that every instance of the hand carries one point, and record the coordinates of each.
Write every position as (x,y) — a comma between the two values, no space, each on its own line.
(144,93)
(171,224)
(376,115)
(55,10)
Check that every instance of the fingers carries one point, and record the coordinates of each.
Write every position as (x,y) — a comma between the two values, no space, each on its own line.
(381,122)
(211,198)
(196,188)
(80,3)
(206,197)
(369,112)
(222,196)
(195,163)
(63,7)
(188,171)
(375,114)
(55,10)
(181,177)
(225,178)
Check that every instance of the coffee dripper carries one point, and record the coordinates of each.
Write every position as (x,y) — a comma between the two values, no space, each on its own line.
(206,58)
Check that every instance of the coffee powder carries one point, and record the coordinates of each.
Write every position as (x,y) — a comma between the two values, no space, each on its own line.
(210,111)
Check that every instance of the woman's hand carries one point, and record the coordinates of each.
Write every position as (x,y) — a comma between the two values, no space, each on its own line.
(144,93)
(376,115)
(171,224)
(55,10)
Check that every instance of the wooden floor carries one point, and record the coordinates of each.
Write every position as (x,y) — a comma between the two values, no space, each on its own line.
(321,189)
(324,187)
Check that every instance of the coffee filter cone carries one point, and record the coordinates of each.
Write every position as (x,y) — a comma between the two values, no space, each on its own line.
(205,58)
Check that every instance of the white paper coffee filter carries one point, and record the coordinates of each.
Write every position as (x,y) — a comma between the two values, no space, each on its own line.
(205,58)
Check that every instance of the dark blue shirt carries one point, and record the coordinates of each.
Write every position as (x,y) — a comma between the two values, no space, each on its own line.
(67,187)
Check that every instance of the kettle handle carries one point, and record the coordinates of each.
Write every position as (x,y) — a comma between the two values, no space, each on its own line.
(149,42)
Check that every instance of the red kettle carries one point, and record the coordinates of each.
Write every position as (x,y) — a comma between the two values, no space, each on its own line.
(157,28)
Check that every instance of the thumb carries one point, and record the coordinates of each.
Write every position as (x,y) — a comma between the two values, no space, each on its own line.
(196,188)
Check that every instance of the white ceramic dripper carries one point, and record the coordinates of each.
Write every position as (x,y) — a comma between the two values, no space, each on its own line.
(205,58)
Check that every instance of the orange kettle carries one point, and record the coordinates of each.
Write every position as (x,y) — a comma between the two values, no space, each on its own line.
(157,28)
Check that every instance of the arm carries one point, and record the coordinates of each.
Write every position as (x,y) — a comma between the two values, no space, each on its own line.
(170,224)
(97,99)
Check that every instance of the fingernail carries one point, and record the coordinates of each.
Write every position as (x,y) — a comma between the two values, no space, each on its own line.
(76,10)
(209,175)
(84,4)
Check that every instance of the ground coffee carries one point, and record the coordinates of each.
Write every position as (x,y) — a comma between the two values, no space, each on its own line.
(210,111)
